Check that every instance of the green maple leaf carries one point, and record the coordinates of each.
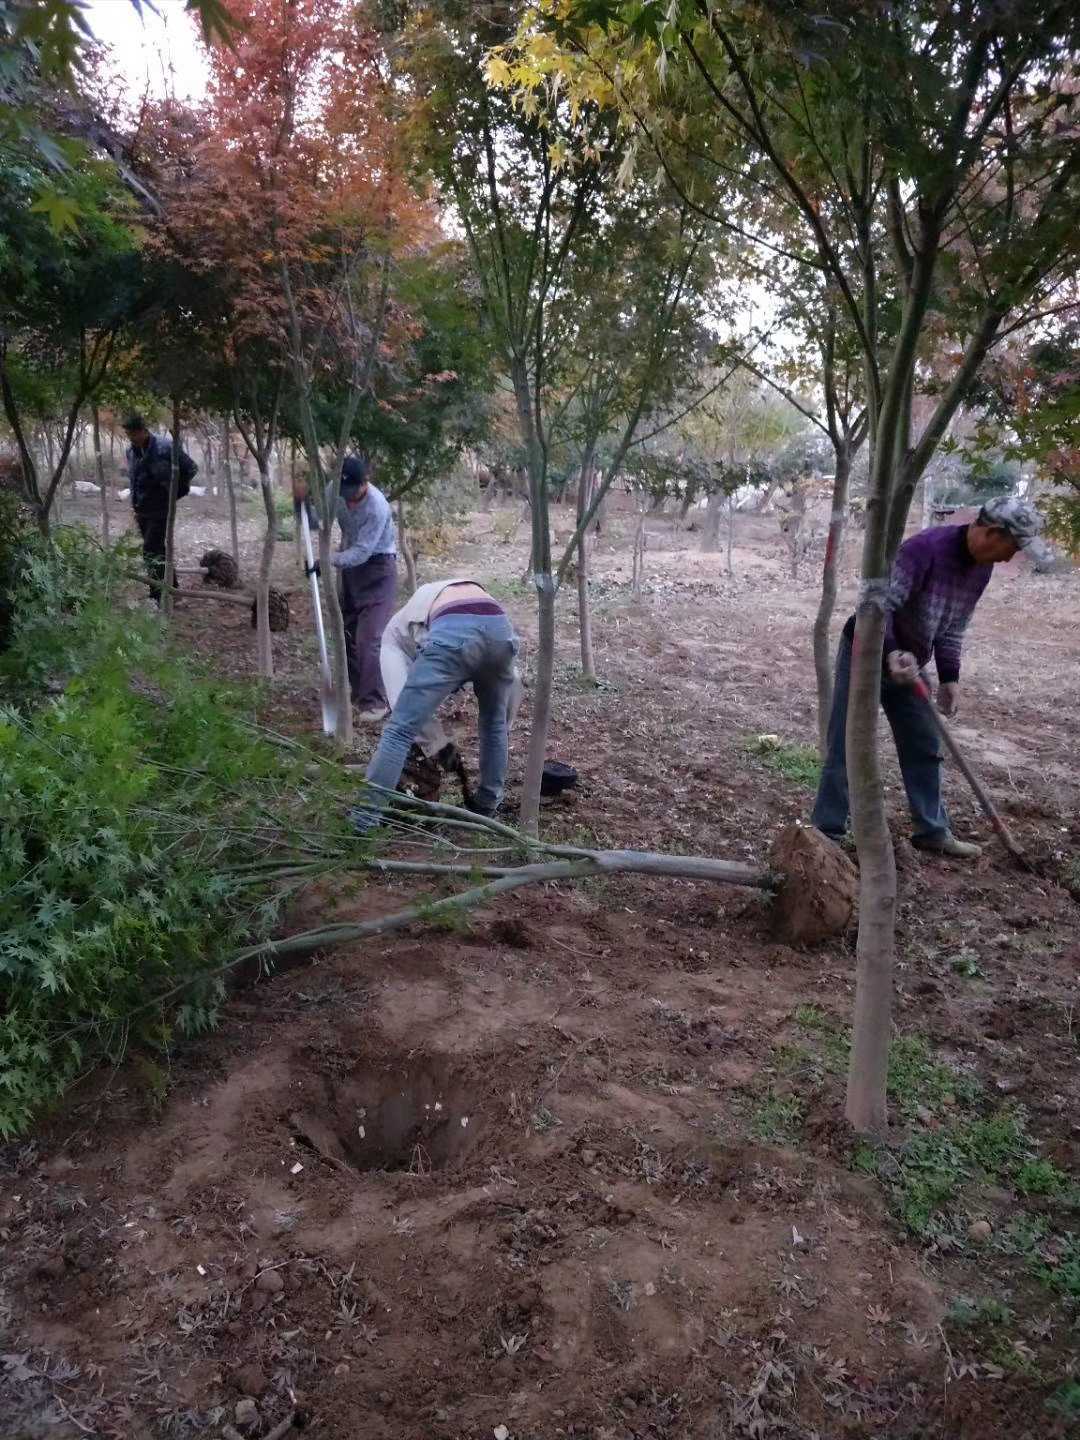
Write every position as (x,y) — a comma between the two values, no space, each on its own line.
(62,210)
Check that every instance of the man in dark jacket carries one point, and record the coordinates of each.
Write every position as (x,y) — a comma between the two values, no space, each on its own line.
(149,462)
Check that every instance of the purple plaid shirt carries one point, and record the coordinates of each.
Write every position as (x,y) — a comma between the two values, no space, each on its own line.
(935,586)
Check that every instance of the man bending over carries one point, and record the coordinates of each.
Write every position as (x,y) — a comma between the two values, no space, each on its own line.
(451,633)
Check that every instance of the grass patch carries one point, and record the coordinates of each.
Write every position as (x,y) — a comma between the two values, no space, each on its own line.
(919,1081)
(1040,1177)
(1065,1401)
(927,1177)
(777,1119)
(796,762)
(1063,1277)
(987,1313)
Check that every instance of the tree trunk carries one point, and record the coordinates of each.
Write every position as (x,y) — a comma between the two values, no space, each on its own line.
(710,530)
(588,664)
(167,600)
(544,580)
(730,533)
(264,645)
(406,549)
(99,465)
(766,497)
(868,1070)
(226,466)
(543,678)
(827,603)
(927,500)
(639,555)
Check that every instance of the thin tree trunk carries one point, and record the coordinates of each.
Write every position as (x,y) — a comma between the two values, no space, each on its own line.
(99,465)
(264,645)
(868,1071)
(827,603)
(226,466)
(730,533)
(167,598)
(544,580)
(710,530)
(588,664)
(406,549)
(639,555)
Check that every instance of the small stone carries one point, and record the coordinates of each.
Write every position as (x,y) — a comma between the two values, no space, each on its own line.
(246,1414)
(270,1282)
(251,1380)
(979,1231)
(588,1157)
(385,1398)
(924,1115)
(442,1416)
(342,1369)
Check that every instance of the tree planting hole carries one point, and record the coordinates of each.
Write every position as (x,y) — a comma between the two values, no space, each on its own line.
(413,1121)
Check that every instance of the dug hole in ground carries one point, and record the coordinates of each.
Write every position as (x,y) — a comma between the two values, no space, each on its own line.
(579,1167)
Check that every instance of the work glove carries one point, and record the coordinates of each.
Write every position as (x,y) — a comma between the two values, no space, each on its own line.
(315,569)
(948,698)
(902,667)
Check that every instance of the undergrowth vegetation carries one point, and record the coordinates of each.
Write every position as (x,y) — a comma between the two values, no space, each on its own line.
(131,790)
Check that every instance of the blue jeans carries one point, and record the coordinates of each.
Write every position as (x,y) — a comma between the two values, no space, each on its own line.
(458,649)
(918,748)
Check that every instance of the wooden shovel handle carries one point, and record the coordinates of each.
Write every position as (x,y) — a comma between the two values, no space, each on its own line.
(989,808)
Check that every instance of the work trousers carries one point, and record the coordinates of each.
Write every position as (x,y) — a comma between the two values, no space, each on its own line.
(367,602)
(918,747)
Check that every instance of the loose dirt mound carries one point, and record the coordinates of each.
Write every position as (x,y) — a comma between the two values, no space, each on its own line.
(819,885)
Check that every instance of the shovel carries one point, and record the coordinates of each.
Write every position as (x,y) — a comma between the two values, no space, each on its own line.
(326,681)
(990,810)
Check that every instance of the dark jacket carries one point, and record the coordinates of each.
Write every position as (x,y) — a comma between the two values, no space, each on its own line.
(149,472)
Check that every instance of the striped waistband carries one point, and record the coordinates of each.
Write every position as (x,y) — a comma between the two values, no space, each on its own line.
(469,607)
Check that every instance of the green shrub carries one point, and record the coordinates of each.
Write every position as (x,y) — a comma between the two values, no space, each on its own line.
(129,791)
(18,537)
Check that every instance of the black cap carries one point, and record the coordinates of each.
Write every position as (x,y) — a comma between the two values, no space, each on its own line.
(134,422)
(355,470)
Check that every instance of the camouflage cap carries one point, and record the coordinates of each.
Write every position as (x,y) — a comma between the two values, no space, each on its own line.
(1018,517)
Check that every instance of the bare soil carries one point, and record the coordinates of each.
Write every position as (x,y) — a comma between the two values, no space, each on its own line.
(524,1178)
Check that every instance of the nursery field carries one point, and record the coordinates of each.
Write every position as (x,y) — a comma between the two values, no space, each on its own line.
(577,1166)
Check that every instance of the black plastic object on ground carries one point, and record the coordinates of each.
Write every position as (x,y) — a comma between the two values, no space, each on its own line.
(557,777)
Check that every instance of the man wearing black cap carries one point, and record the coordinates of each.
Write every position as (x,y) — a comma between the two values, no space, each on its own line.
(367,561)
(149,462)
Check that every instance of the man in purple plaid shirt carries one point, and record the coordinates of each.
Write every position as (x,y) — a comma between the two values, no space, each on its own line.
(936,583)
